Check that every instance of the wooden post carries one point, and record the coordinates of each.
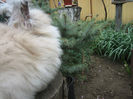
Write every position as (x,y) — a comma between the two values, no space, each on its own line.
(118,17)
(132,71)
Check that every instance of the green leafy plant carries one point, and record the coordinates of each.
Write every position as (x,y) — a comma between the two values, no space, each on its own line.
(115,45)
(127,68)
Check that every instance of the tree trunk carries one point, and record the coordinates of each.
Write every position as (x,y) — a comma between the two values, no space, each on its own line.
(72,12)
(54,89)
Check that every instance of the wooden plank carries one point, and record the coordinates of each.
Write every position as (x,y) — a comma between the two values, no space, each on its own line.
(118,17)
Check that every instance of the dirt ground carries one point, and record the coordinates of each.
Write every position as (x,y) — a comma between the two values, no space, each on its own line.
(106,80)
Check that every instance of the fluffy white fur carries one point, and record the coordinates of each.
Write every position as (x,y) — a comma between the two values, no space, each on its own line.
(5,8)
(29,57)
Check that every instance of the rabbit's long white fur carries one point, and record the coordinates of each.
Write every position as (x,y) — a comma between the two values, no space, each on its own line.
(5,8)
(29,58)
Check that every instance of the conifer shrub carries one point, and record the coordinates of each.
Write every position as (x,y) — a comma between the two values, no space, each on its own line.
(77,39)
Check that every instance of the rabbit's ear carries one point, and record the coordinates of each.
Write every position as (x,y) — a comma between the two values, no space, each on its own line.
(25,13)
(20,16)
(25,10)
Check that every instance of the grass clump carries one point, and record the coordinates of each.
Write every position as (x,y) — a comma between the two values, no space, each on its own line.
(116,45)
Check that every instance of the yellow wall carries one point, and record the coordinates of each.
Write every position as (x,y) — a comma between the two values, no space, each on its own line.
(52,3)
(99,10)
(127,12)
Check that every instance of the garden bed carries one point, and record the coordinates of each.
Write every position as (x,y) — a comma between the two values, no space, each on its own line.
(105,80)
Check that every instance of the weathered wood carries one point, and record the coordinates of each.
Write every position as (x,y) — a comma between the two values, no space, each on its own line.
(118,1)
(121,1)
(118,17)
(54,89)
(72,12)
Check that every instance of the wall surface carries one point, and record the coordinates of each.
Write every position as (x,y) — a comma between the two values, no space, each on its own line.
(98,10)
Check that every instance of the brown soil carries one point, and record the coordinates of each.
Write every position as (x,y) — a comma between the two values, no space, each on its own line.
(106,80)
